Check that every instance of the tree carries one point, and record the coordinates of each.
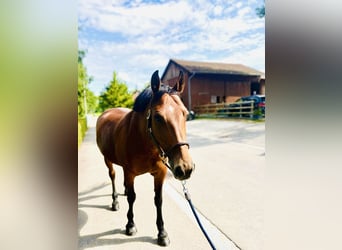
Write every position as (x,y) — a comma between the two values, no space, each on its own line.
(82,93)
(81,55)
(82,88)
(115,95)
(261,11)
(86,98)
(92,102)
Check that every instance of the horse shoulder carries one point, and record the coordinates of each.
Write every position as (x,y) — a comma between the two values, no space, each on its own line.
(106,128)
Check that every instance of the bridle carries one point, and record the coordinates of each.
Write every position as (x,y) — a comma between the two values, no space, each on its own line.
(164,154)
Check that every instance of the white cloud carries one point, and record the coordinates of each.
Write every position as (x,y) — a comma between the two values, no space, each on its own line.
(253,58)
(137,39)
(142,20)
(218,10)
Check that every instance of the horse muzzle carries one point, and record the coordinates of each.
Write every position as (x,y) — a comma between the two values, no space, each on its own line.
(183,171)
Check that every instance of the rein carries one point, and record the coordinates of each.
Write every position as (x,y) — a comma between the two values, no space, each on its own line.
(164,155)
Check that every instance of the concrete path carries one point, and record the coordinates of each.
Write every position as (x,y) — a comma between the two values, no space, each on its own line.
(226,188)
(101,228)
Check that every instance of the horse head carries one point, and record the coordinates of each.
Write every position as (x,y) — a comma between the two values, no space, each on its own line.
(167,125)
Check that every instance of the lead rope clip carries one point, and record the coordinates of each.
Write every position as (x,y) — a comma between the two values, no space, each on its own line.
(185,191)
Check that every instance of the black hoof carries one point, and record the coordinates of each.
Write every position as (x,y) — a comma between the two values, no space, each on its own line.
(163,239)
(131,230)
(115,206)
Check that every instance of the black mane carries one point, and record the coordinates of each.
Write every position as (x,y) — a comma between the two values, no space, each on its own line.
(144,98)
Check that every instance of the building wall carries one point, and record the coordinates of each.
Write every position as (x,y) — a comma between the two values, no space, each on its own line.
(262,87)
(206,89)
(173,71)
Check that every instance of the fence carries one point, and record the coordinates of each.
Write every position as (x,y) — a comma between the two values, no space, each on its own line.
(236,109)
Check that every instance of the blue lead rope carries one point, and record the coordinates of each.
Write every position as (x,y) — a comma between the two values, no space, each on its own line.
(188,198)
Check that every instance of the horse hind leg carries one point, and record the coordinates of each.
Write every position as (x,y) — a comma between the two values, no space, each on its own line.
(115,203)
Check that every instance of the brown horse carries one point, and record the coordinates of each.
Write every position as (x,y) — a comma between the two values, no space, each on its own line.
(147,139)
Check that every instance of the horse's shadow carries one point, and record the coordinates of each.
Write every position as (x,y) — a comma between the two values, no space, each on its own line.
(106,207)
(95,240)
(93,189)
(82,197)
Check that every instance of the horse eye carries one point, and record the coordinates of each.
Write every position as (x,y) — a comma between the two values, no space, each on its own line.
(158,118)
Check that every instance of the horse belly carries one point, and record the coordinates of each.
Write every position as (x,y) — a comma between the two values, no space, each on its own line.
(106,132)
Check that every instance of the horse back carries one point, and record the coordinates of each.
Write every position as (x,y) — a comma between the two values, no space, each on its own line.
(106,126)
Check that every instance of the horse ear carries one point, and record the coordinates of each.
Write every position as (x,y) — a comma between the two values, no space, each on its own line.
(179,87)
(155,81)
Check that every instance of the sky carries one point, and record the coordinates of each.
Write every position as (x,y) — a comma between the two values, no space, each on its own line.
(135,38)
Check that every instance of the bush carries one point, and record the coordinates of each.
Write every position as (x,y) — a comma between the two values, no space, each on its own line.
(82,128)
(257,114)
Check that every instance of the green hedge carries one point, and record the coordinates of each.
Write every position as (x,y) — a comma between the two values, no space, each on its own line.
(82,128)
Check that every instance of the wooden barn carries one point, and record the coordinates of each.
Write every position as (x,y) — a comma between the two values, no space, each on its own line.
(208,82)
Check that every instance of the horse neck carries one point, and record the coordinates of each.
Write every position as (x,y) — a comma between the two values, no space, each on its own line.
(139,125)
(139,130)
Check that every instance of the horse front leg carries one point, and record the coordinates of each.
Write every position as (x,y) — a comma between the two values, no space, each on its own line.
(163,238)
(129,189)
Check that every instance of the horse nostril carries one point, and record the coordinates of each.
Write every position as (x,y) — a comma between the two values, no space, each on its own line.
(188,173)
(179,172)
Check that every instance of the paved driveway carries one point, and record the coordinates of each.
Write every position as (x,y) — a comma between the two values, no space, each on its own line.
(227,185)
(226,188)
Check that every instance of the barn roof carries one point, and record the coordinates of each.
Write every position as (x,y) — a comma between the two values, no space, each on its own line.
(214,68)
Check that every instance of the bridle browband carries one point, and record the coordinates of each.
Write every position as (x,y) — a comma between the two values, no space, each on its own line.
(164,155)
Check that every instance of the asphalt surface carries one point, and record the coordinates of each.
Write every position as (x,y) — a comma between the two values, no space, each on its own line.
(226,189)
